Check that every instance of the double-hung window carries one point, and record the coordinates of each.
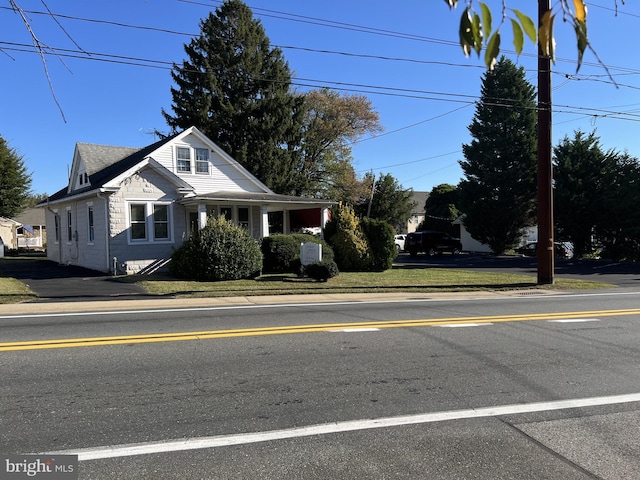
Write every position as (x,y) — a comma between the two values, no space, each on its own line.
(160,222)
(56,219)
(69,227)
(202,161)
(138,220)
(183,155)
(91,231)
(149,222)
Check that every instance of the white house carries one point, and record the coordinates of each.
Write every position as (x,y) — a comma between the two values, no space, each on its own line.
(126,210)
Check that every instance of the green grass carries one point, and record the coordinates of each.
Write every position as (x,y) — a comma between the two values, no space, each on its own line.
(398,279)
(395,280)
(14,291)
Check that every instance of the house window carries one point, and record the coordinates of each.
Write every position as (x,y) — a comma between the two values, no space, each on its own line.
(149,222)
(69,227)
(226,212)
(202,161)
(138,220)
(56,220)
(243,217)
(161,222)
(184,159)
(91,231)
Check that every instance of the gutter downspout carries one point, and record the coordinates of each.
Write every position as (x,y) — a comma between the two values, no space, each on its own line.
(55,214)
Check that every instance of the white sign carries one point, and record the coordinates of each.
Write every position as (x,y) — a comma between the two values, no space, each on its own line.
(310,252)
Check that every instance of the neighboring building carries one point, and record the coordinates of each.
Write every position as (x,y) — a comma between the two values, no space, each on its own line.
(32,232)
(126,210)
(418,213)
(470,244)
(9,233)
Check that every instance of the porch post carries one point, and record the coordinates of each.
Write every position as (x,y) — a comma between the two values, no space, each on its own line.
(286,222)
(324,217)
(202,216)
(264,222)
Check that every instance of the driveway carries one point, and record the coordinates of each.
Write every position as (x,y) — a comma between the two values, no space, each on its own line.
(67,283)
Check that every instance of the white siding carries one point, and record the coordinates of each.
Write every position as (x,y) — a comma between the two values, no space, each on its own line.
(222,176)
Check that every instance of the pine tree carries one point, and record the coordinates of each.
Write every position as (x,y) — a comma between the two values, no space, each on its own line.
(15,181)
(498,193)
(235,88)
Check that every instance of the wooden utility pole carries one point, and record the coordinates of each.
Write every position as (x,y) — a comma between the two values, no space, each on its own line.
(545,172)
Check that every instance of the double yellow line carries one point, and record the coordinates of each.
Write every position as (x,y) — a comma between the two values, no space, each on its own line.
(324,327)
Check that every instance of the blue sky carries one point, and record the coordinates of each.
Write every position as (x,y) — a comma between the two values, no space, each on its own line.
(403,56)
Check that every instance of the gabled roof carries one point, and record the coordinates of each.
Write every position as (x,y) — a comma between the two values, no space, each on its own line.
(107,164)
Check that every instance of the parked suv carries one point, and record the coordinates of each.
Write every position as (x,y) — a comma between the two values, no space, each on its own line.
(431,243)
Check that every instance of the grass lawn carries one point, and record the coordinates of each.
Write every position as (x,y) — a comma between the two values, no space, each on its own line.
(14,291)
(398,279)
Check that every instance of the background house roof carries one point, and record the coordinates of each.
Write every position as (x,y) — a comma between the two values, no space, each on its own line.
(31,216)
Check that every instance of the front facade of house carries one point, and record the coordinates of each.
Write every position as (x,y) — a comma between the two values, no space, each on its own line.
(127,210)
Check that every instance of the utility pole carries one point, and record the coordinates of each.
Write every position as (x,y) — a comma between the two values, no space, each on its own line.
(545,173)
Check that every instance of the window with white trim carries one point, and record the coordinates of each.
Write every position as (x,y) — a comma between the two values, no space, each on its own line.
(150,222)
(56,220)
(91,227)
(183,155)
(160,222)
(202,161)
(243,217)
(69,227)
(138,221)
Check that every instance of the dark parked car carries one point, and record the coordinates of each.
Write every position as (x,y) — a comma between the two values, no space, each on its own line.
(562,250)
(431,243)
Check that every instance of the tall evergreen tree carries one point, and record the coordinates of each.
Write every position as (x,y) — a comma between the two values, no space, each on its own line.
(498,193)
(15,181)
(441,208)
(583,174)
(235,88)
(390,202)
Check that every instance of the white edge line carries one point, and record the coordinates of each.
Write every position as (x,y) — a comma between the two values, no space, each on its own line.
(337,427)
(574,320)
(353,330)
(463,325)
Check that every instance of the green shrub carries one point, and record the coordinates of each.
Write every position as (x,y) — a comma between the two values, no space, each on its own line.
(382,248)
(322,271)
(281,253)
(220,251)
(347,240)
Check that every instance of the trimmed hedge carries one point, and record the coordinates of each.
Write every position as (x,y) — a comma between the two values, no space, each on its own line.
(322,271)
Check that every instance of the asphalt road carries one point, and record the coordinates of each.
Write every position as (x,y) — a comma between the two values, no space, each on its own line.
(429,389)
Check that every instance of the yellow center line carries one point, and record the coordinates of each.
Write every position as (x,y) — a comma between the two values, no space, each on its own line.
(323,327)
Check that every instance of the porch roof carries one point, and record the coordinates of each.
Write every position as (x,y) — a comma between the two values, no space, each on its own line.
(272,200)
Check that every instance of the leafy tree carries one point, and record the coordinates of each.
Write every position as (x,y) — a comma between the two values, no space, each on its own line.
(15,181)
(476,30)
(390,202)
(498,193)
(349,243)
(441,208)
(236,89)
(582,174)
(332,123)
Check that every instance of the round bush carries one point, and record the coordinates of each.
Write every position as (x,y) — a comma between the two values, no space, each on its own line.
(220,251)
(281,253)
(322,271)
